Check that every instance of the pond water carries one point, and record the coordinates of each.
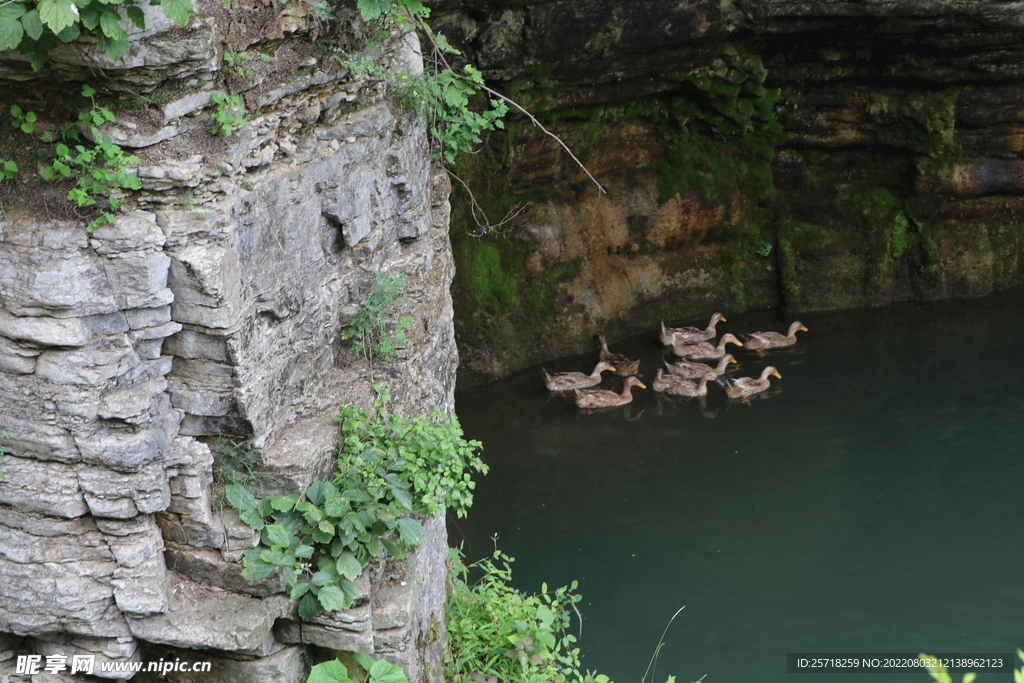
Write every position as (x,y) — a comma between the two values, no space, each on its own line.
(872,505)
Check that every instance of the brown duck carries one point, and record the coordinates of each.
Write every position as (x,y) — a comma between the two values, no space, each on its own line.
(624,366)
(705,349)
(671,335)
(602,398)
(741,387)
(697,370)
(759,341)
(678,386)
(567,381)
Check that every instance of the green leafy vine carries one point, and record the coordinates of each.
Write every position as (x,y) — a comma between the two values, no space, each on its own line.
(33,27)
(389,469)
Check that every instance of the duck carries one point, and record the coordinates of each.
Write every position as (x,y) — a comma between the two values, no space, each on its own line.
(741,387)
(678,386)
(623,365)
(568,381)
(705,349)
(602,398)
(670,335)
(696,370)
(759,341)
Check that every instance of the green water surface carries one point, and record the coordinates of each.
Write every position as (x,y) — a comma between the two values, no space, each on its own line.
(874,504)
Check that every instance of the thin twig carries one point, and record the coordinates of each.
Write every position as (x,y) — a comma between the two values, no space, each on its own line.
(475,207)
(533,119)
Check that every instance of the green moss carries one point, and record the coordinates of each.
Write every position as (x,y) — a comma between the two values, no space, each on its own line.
(924,118)
(814,156)
(490,277)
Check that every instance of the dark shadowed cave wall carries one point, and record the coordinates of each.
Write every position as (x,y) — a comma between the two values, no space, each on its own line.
(804,155)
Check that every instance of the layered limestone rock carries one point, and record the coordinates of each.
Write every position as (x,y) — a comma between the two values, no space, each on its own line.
(209,316)
(805,155)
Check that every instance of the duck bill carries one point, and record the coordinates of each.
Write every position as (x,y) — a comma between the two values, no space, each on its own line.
(804,328)
(776,373)
(641,385)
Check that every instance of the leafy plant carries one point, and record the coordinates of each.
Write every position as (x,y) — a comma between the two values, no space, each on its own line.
(368,328)
(226,114)
(496,631)
(7,169)
(388,469)
(380,671)
(100,169)
(33,27)
(235,62)
(25,121)
(236,465)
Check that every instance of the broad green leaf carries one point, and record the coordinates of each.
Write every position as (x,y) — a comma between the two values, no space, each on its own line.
(137,17)
(57,15)
(348,566)
(322,578)
(410,531)
(275,534)
(333,599)
(362,659)
(283,503)
(258,570)
(319,491)
(298,590)
(402,497)
(326,527)
(12,10)
(336,506)
(370,10)
(304,552)
(384,671)
(252,519)
(115,48)
(274,557)
(329,672)
(177,11)
(33,24)
(309,606)
(110,24)
(239,496)
(11,33)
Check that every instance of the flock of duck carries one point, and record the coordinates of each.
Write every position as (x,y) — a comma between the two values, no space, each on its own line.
(685,377)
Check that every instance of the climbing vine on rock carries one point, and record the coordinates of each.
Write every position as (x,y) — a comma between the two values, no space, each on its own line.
(33,27)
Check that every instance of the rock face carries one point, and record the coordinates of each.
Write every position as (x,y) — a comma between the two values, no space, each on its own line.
(207,321)
(806,155)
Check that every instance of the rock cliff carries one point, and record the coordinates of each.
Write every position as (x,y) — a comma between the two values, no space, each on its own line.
(199,336)
(755,153)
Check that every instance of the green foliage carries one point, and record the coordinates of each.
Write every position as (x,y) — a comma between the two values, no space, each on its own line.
(100,169)
(445,97)
(236,61)
(227,115)
(388,469)
(24,121)
(494,630)
(33,27)
(236,466)
(7,169)
(373,329)
(379,671)
(722,135)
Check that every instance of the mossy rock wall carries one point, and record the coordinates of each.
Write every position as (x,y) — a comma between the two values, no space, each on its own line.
(800,155)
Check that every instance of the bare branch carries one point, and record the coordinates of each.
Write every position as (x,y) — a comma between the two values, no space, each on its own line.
(484,223)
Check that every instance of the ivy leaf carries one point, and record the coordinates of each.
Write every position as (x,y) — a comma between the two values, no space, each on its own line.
(384,671)
(333,599)
(304,552)
(322,578)
(177,11)
(11,32)
(298,590)
(410,531)
(110,24)
(319,491)
(283,503)
(70,33)
(332,671)
(309,606)
(114,48)
(137,17)
(239,496)
(32,24)
(57,15)
(252,519)
(364,660)
(336,506)
(275,534)
(370,10)
(348,566)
